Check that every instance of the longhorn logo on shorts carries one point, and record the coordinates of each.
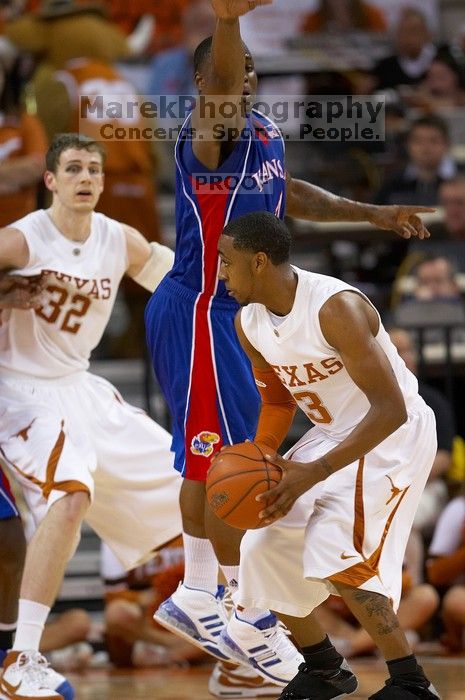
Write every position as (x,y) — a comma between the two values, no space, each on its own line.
(202,444)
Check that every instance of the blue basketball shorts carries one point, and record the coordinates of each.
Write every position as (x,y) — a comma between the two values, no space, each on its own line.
(8,507)
(203,372)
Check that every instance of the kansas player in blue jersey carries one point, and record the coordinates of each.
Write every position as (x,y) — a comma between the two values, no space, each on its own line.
(229,162)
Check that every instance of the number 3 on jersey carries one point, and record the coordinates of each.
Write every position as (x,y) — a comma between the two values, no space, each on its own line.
(312,406)
(51,311)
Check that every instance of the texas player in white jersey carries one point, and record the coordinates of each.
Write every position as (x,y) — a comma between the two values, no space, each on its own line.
(77,449)
(340,518)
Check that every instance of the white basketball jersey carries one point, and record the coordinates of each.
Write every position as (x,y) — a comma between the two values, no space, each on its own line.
(81,284)
(311,369)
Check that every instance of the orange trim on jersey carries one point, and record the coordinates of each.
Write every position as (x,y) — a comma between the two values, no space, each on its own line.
(277,409)
(52,463)
(359,573)
(359,509)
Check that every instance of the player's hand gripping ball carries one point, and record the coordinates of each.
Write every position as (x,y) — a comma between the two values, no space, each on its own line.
(237,475)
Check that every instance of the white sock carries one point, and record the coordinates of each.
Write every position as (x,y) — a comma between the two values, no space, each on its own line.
(31,621)
(231,574)
(200,564)
(251,615)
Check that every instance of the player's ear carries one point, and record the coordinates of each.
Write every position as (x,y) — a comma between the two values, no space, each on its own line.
(199,81)
(260,261)
(49,180)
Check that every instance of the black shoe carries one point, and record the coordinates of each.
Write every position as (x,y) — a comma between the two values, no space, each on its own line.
(320,685)
(402,689)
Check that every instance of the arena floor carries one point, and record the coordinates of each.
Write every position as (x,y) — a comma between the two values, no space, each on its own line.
(448,674)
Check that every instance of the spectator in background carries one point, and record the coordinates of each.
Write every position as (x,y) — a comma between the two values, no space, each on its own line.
(435,494)
(435,278)
(442,89)
(452,199)
(457,48)
(22,148)
(414,51)
(393,9)
(449,241)
(172,70)
(429,164)
(345,16)
(446,570)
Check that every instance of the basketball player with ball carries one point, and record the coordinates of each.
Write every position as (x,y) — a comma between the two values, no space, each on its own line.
(230,161)
(339,519)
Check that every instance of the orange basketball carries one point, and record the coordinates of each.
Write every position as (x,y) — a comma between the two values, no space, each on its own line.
(237,475)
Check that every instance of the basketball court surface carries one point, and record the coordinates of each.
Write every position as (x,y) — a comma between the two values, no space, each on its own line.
(448,674)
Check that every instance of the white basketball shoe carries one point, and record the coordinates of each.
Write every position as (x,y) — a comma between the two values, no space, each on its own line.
(232,681)
(263,645)
(197,616)
(27,676)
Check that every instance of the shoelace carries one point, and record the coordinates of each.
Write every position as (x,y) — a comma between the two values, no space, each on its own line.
(33,666)
(327,675)
(279,640)
(228,602)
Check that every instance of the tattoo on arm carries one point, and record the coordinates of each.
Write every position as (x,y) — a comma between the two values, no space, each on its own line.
(324,464)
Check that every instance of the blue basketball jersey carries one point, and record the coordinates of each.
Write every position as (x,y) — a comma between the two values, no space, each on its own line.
(203,372)
(251,179)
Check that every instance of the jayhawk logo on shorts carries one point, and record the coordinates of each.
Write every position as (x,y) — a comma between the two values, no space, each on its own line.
(202,444)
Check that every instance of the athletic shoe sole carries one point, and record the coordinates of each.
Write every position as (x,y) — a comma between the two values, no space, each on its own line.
(181,624)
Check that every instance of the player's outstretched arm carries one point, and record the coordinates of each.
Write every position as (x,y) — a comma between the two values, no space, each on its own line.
(20,292)
(148,262)
(350,325)
(306,201)
(278,407)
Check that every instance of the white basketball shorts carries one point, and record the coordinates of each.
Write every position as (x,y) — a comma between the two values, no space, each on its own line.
(78,434)
(351,528)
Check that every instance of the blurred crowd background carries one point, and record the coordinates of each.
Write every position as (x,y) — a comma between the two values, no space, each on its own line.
(409,52)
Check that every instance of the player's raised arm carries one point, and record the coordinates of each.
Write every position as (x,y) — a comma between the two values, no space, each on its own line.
(278,407)
(307,201)
(148,262)
(222,74)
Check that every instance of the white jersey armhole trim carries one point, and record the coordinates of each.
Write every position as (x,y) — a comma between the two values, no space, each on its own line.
(33,258)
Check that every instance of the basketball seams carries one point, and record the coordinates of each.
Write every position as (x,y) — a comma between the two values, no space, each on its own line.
(230,476)
(237,475)
(245,495)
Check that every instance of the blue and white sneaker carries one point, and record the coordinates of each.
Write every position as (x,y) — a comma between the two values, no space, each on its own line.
(197,616)
(263,645)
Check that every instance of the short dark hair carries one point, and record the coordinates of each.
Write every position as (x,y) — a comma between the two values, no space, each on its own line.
(201,53)
(430,122)
(62,142)
(261,232)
